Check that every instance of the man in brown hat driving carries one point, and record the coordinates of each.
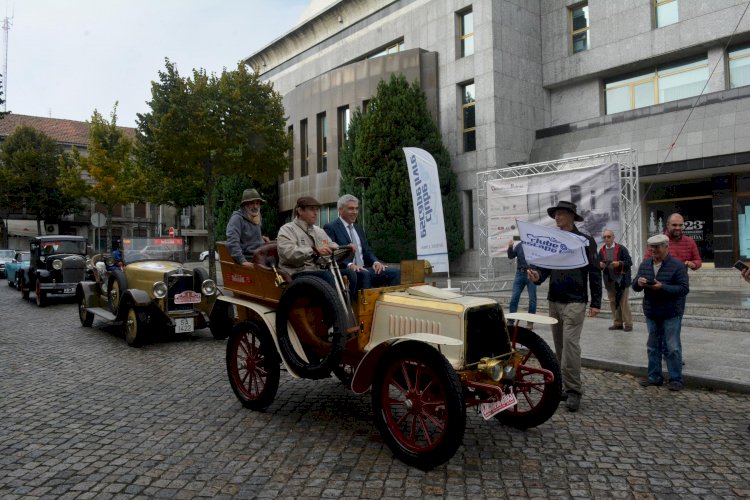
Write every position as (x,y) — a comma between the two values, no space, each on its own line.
(567,296)
(243,229)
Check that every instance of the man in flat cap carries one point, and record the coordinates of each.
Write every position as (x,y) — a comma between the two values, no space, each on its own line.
(664,281)
(243,229)
(567,296)
(301,241)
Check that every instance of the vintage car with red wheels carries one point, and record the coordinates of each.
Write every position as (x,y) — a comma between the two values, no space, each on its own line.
(426,354)
(57,263)
(149,291)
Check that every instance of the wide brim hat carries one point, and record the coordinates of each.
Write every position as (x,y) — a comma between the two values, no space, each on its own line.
(565,205)
(249,195)
(308,201)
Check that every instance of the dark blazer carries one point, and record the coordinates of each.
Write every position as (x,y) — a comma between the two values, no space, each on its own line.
(339,233)
(670,300)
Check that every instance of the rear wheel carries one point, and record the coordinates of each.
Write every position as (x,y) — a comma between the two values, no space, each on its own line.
(134,327)
(418,405)
(41,298)
(253,365)
(87,319)
(319,320)
(117,286)
(538,397)
(22,288)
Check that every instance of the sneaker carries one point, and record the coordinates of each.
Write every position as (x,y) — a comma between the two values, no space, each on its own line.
(646,383)
(628,328)
(573,402)
(675,386)
(615,327)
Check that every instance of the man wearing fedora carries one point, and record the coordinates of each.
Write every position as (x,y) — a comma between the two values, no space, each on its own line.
(243,229)
(300,242)
(567,296)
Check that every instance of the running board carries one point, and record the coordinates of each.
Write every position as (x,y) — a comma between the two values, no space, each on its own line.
(102,313)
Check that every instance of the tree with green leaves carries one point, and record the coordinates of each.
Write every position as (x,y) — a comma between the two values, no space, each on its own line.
(397,117)
(29,168)
(106,174)
(205,127)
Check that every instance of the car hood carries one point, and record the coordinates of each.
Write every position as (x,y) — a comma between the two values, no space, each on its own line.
(144,274)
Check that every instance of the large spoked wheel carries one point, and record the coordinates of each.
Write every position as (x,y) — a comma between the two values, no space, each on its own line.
(320,321)
(538,396)
(221,320)
(253,365)
(41,298)
(418,405)
(134,327)
(117,286)
(87,319)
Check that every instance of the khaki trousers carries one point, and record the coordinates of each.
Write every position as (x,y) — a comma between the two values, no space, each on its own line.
(567,336)
(621,315)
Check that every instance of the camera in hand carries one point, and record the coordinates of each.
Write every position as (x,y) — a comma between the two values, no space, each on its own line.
(741,266)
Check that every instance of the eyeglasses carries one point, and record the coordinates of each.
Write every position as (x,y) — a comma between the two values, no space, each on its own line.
(606,236)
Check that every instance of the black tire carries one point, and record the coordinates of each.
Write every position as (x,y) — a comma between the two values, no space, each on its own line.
(87,319)
(221,320)
(199,276)
(117,286)
(134,326)
(253,365)
(22,288)
(418,405)
(320,321)
(10,283)
(537,399)
(41,297)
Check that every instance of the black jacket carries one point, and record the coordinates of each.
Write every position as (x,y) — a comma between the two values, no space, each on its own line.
(670,300)
(570,285)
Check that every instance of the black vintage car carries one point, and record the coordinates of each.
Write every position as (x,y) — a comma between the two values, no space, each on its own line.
(58,264)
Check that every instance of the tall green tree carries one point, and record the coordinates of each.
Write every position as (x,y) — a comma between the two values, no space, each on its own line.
(397,117)
(106,173)
(29,168)
(204,127)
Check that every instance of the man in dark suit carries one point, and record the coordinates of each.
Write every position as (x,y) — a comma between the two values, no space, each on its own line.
(370,272)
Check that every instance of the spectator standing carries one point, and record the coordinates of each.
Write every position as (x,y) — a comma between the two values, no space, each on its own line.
(681,247)
(568,295)
(664,281)
(615,263)
(521,280)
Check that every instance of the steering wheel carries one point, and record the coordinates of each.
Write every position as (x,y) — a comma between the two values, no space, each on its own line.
(342,253)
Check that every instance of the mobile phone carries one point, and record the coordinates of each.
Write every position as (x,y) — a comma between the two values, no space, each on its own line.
(740,265)
(651,282)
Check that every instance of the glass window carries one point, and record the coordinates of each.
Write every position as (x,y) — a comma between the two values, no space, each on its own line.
(739,66)
(468,117)
(466,32)
(304,149)
(290,131)
(668,82)
(322,143)
(393,48)
(666,12)
(140,210)
(343,124)
(365,106)
(579,28)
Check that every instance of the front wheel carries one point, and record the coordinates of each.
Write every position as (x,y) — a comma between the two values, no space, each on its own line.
(134,327)
(253,365)
(418,405)
(538,397)
(41,298)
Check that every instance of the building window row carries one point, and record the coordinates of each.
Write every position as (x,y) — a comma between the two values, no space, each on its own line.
(739,66)
(466,33)
(393,48)
(468,117)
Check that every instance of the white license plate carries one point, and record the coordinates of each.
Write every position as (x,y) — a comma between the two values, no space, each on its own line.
(489,410)
(183,325)
(69,290)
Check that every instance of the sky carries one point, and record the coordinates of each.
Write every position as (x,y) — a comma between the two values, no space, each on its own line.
(67,58)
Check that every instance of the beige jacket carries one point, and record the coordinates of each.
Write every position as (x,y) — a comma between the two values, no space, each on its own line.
(295,246)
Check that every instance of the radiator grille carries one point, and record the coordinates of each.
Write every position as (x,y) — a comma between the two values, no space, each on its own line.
(178,283)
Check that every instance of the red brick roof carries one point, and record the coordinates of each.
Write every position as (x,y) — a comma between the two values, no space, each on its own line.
(67,132)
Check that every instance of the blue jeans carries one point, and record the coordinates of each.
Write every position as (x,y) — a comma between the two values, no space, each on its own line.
(519,282)
(664,340)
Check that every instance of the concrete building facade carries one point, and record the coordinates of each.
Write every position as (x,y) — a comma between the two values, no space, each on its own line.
(539,80)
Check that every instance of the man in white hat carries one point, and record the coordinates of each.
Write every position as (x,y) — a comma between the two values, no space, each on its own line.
(665,284)
(243,229)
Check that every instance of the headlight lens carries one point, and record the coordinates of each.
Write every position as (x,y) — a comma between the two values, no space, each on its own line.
(208,287)
(160,289)
(57,264)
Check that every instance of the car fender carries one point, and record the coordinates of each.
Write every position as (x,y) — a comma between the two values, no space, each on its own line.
(362,379)
(42,274)
(87,290)
(137,298)
(247,310)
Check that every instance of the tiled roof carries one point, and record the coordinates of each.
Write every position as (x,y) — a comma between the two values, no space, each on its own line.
(63,131)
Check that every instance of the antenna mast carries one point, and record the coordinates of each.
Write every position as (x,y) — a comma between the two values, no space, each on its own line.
(7,23)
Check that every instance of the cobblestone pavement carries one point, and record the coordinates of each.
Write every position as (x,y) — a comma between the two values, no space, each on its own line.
(83,415)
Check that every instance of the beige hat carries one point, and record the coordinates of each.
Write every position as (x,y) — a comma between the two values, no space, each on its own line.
(249,195)
(659,239)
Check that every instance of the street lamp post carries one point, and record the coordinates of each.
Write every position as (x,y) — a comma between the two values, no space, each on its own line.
(365,181)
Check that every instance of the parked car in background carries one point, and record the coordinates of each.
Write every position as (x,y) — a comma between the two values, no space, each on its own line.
(204,255)
(20,261)
(58,263)
(5,257)
(151,292)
